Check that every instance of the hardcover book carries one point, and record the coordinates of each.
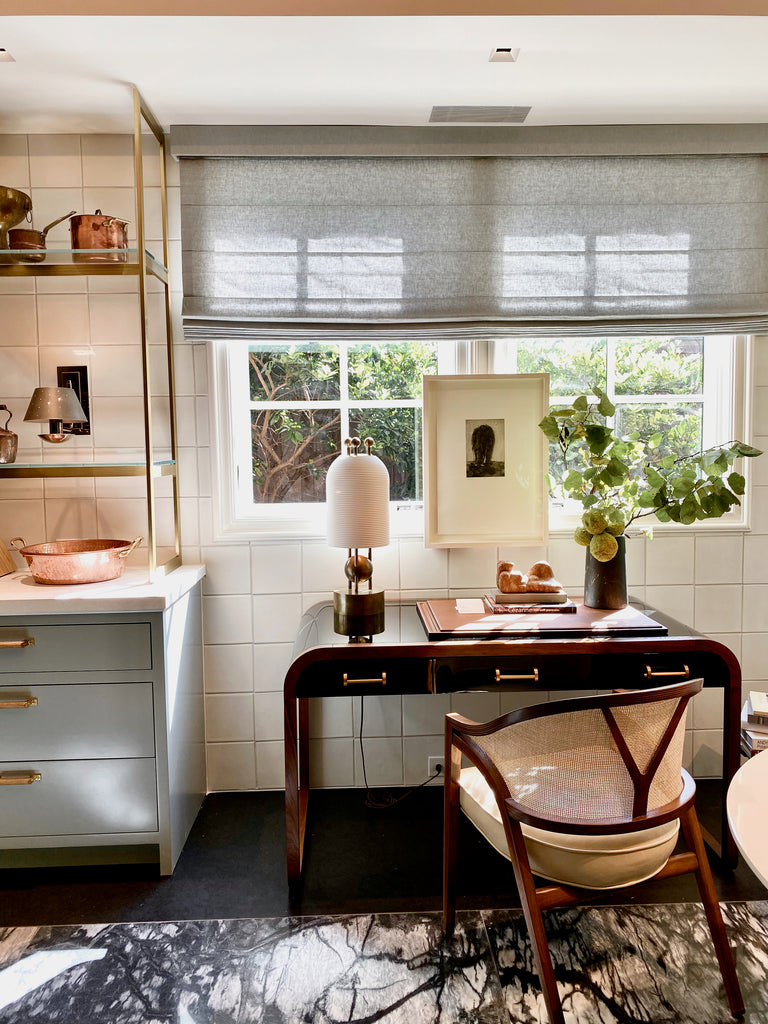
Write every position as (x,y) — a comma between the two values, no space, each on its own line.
(753,708)
(527,597)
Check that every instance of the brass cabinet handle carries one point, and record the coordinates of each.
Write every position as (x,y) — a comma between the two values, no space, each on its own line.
(533,675)
(381,679)
(652,673)
(20,779)
(28,641)
(26,702)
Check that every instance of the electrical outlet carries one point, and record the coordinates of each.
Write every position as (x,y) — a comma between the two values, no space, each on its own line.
(434,764)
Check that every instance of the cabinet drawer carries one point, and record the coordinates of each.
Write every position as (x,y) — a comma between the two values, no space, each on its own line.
(79,797)
(364,676)
(79,648)
(77,721)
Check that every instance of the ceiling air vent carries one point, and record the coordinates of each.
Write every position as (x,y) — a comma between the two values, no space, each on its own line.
(5,56)
(478,115)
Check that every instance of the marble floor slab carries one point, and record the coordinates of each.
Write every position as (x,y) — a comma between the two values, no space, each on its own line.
(615,965)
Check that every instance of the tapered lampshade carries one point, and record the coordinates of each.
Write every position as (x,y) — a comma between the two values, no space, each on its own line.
(55,404)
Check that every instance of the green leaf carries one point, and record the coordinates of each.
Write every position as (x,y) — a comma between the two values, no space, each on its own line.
(581,404)
(654,479)
(605,406)
(598,438)
(688,511)
(737,483)
(739,448)
(549,426)
(681,486)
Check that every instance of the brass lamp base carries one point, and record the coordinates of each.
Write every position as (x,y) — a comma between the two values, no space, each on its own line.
(358,616)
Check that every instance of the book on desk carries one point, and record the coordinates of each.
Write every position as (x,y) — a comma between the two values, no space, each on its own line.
(471,619)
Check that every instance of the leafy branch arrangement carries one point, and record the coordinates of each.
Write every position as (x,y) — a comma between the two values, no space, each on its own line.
(620,480)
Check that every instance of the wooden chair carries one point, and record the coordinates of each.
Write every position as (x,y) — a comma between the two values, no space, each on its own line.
(589,793)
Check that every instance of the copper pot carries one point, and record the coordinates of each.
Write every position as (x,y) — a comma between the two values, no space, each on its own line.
(95,231)
(26,238)
(75,561)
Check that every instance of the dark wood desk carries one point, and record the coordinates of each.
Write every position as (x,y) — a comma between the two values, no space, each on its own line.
(398,662)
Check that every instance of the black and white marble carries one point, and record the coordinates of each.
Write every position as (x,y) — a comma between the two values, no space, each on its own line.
(615,965)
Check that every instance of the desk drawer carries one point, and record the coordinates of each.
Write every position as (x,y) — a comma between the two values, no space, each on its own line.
(364,676)
(83,647)
(522,672)
(77,721)
(79,797)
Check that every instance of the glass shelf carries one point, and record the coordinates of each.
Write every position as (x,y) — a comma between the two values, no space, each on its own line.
(71,262)
(16,470)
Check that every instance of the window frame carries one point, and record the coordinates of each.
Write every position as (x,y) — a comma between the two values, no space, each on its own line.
(230,399)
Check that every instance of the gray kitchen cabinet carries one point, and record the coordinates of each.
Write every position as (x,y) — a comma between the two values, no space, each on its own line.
(102,743)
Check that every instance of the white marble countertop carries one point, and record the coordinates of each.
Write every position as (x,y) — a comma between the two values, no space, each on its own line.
(747,807)
(132,591)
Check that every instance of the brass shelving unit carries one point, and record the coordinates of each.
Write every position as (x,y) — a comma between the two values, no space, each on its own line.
(140,263)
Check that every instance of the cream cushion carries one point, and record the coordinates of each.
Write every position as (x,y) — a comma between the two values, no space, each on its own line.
(590,862)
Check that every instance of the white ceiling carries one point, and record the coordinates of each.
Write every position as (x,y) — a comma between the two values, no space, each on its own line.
(70,73)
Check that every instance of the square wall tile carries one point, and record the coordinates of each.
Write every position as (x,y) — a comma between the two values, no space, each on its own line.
(49,204)
(669,561)
(230,766)
(19,378)
(424,715)
(382,716)
(275,568)
(228,668)
(68,517)
(117,423)
(25,518)
(512,701)
(674,601)
(706,709)
(229,717)
(719,559)
(270,664)
(62,320)
(107,161)
(472,568)
(116,371)
(760,410)
(330,716)
(276,617)
(270,765)
(567,559)
(718,607)
(332,763)
(14,161)
(383,761)
(422,568)
(417,751)
(19,320)
(755,611)
(227,619)
(707,753)
(115,319)
(55,161)
(322,567)
(480,707)
(755,559)
(227,569)
(268,716)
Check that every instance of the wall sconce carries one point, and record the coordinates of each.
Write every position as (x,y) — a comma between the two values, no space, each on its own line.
(58,406)
(357,497)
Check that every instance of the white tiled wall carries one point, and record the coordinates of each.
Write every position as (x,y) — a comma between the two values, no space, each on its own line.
(255,593)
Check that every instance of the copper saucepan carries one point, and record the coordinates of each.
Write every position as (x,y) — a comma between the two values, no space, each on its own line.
(26,238)
(95,231)
(75,561)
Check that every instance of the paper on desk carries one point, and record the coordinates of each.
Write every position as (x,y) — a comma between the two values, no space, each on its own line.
(470,605)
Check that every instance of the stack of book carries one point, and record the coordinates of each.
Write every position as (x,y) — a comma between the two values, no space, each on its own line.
(754,723)
(528,602)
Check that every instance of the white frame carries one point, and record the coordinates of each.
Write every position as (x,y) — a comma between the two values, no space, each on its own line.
(463,511)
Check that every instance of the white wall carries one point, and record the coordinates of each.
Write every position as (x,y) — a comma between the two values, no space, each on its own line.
(255,593)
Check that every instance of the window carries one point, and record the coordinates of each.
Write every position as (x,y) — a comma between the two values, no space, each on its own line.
(283,410)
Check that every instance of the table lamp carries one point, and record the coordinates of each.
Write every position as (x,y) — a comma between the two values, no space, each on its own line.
(58,406)
(357,501)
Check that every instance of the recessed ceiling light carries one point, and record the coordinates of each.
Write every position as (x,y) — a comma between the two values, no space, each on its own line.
(4,55)
(505,54)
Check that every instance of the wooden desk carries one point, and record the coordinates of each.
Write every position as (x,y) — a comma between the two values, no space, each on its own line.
(399,662)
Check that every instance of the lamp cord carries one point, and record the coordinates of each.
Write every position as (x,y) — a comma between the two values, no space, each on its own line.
(383,800)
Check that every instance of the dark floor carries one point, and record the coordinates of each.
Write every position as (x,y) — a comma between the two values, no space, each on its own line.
(358,860)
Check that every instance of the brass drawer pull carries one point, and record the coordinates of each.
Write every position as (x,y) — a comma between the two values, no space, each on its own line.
(27,702)
(20,779)
(533,675)
(28,641)
(381,679)
(652,673)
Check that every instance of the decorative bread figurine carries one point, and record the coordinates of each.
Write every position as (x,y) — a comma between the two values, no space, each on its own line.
(541,579)
(508,579)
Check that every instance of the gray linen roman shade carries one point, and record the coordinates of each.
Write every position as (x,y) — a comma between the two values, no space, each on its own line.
(452,245)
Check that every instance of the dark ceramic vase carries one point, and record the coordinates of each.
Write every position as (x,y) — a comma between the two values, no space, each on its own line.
(605,583)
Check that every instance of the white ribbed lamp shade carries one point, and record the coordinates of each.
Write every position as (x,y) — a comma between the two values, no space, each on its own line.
(357,499)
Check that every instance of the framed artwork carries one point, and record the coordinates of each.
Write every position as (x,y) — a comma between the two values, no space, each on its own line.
(485,460)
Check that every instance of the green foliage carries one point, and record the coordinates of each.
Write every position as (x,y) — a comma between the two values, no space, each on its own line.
(625,479)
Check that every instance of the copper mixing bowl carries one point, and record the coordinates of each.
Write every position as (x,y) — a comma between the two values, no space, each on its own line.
(75,561)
